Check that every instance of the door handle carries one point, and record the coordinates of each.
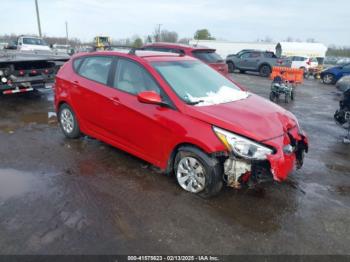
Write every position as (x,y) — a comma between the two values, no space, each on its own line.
(76,82)
(115,100)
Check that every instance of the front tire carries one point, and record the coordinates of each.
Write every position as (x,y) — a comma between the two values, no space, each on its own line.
(198,173)
(68,122)
(231,67)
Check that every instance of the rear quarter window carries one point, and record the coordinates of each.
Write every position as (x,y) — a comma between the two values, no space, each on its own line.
(77,63)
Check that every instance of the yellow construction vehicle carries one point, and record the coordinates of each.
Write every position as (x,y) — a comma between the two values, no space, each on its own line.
(102,42)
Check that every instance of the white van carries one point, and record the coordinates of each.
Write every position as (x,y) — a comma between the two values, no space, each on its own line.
(32,43)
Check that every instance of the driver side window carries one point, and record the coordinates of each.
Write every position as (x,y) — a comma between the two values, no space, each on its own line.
(245,55)
(133,78)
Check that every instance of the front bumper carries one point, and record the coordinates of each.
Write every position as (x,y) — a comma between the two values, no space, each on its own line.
(288,155)
(282,162)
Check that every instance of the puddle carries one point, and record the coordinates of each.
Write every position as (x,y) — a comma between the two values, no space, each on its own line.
(341,190)
(14,183)
(39,118)
(338,168)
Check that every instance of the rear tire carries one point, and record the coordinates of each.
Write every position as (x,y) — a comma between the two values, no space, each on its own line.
(265,70)
(328,79)
(198,173)
(68,122)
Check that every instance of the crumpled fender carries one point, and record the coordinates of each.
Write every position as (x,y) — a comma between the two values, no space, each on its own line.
(281,163)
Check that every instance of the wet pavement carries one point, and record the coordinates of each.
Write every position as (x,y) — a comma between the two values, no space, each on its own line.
(60,196)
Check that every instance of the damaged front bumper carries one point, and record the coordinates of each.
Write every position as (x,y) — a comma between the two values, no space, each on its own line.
(289,154)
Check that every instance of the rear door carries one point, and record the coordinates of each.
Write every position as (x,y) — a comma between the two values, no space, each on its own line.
(249,60)
(93,97)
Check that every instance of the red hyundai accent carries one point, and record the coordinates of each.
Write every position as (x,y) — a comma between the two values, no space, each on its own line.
(206,55)
(180,115)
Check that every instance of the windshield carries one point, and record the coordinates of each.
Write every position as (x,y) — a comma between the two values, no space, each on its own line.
(103,39)
(207,56)
(198,84)
(33,41)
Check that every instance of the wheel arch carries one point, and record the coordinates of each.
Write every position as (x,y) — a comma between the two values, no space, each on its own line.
(170,163)
(265,64)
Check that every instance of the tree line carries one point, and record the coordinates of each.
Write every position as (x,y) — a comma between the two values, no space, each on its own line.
(167,36)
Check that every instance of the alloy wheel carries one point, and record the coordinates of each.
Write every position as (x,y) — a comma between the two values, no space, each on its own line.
(67,120)
(190,175)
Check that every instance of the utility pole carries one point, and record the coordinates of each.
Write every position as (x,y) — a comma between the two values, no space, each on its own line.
(158,38)
(38,17)
(66,33)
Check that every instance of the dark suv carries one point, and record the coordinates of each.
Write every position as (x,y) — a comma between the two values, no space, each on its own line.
(255,61)
(207,55)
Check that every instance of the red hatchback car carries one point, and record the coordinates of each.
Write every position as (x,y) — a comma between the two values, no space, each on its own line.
(207,55)
(180,115)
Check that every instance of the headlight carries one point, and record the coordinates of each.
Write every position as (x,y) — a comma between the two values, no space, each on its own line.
(241,146)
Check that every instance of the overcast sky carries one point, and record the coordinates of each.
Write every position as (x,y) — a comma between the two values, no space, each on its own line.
(236,20)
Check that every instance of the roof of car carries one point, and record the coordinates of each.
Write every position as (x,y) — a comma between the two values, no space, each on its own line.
(177,45)
(146,55)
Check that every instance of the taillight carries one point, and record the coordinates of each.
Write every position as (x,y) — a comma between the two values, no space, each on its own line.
(308,61)
(21,72)
(33,72)
(279,61)
(46,71)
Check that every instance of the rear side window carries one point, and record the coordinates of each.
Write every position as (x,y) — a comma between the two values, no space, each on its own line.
(207,56)
(96,68)
(269,55)
(133,78)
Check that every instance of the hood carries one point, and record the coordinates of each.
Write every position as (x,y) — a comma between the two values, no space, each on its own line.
(253,117)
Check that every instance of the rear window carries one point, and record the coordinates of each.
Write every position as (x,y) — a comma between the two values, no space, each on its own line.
(207,56)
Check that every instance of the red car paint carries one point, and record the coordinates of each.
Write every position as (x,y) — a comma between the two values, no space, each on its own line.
(153,132)
(220,66)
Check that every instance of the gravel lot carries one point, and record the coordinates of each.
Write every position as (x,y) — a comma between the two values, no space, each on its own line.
(60,196)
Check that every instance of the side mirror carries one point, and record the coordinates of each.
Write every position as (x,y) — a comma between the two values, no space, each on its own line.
(149,97)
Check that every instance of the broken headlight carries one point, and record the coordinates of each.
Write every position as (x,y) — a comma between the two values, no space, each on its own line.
(242,146)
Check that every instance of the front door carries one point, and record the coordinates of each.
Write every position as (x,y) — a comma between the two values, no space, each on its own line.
(142,128)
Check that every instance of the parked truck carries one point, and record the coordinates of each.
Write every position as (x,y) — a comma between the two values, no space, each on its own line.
(256,61)
(27,65)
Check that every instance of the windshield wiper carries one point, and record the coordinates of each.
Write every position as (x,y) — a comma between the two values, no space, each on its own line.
(194,102)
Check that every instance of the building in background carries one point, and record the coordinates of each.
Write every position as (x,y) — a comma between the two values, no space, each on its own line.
(316,50)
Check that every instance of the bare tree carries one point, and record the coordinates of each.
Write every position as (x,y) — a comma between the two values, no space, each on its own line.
(169,36)
(184,40)
(311,40)
(290,39)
